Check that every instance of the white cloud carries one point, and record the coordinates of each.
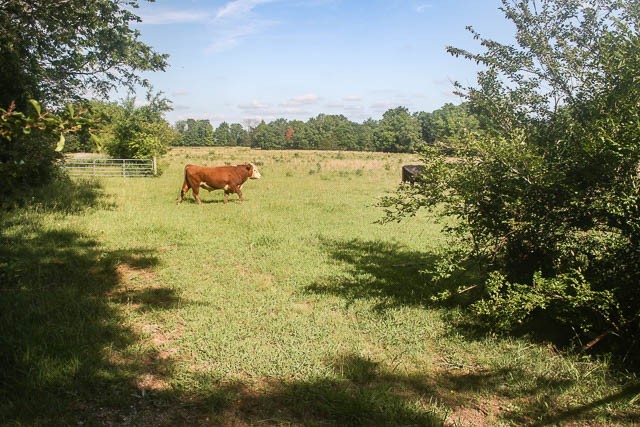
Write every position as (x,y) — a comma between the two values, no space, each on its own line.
(381,107)
(229,36)
(180,92)
(422,7)
(353,108)
(288,111)
(235,22)
(352,98)
(310,98)
(292,108)
(238,8)
(443,81)
(254,106)
(181,107)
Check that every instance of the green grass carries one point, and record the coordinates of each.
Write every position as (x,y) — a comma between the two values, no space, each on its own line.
(119,307)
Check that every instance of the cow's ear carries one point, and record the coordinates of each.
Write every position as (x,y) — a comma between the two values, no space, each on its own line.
(248,166)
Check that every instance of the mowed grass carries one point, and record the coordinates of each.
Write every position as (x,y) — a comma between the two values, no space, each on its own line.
(292,308)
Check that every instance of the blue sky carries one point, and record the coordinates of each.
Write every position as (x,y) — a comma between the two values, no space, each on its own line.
(242,61)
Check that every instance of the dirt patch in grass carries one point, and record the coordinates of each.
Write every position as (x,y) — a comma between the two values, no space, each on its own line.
(132,273)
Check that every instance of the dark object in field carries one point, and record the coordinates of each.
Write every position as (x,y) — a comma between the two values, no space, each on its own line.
(410,172)
(227,178)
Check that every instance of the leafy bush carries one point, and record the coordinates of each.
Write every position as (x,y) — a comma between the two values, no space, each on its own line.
(569,299)
(30,146)
(547,193)
(142,132)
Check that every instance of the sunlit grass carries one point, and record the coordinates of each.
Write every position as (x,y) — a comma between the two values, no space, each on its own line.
(292,307)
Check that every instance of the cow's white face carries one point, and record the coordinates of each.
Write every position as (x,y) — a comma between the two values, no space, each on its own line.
(256,173)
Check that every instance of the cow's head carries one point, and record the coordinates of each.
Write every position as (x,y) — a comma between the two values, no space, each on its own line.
(253,171)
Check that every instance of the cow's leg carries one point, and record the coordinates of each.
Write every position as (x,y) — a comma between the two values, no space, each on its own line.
(239,191)
(226,196)
(196,193)
(183,191)
(235,189)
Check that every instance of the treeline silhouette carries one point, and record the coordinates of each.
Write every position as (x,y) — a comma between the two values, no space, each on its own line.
(397,131)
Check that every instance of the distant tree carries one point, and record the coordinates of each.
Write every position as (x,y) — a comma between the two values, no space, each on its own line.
(260,137)
(299,139)
(270,136)
(180,127)
(194,133)
(205,132)
(288,136)
(222,135)
(344,132)
(239,136)
(142,132)
(397,132)
(366,132)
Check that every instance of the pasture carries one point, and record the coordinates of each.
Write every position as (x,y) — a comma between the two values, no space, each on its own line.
(292,308)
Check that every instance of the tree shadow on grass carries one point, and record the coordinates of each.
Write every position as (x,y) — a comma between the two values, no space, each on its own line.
(360,393)
(363,392)
(388,274)
(65,349)
(63,196)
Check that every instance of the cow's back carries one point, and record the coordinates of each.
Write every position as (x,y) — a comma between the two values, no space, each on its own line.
(411,172)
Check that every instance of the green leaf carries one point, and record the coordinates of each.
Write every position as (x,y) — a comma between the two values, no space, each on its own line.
(60,145)
(35,105)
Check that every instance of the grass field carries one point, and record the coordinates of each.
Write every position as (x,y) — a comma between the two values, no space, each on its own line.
(119,307)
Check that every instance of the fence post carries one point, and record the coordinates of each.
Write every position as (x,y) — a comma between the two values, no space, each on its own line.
(124,167)
(94,167)
(155,166)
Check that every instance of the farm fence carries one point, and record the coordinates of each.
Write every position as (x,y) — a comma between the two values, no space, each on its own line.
(110,167)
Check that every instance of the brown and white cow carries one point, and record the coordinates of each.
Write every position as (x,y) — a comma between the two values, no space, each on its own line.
(227,178)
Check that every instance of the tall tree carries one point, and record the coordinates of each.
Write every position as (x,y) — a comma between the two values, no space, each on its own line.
(141,132)
(57,51)
(448,124)
(222,135)
(398,131)
(193,133)
(239,136)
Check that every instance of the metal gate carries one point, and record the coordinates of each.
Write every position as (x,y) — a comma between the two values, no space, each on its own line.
(110,167)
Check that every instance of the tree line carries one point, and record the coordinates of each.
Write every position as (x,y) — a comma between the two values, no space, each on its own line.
(124,129)
(398,131)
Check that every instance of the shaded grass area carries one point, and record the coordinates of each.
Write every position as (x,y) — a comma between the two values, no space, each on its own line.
(389,276)
(60,333)
(388,273)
